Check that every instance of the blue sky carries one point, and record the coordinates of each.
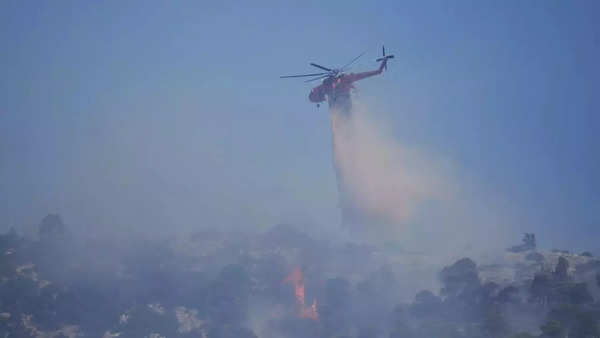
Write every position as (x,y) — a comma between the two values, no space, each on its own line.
(173,113)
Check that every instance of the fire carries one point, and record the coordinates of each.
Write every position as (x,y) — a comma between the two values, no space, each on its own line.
(295,278)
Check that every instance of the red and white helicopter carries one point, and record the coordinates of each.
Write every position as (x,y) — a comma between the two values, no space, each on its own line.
(336,84)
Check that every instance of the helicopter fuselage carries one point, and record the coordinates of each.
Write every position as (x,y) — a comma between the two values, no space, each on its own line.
(339,86)
(330,88)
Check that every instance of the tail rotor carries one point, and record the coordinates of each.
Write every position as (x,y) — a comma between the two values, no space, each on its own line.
(384,57)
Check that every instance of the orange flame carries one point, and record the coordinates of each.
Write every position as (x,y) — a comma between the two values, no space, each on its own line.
(295,278)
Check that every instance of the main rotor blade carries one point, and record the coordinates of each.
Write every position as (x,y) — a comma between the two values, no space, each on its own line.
(318,78)
(318,66)
(304,75)
(353,60)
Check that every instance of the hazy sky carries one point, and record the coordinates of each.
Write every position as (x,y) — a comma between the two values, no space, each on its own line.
(165,114)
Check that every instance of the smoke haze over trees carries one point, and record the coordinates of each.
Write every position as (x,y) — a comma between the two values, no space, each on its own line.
(282,283)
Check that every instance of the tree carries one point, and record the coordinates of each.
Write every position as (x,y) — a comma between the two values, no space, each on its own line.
(494,323)
(230,331)
(528,244)
(562,269)
(523,335)
(535,257)
(459,277)
(575,293)
(439,329)
(540,288)
(587,324)
(573,321)
(509,294)
(369,332)
(334,309)
(8,245)
(142,321)
(51,227)
(426,304)
(551,329)
(228,296)
(400,324)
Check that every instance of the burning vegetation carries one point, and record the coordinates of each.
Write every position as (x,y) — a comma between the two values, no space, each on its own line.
(241,288)
(295,278)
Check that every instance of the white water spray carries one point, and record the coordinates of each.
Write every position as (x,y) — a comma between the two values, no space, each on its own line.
(380,181)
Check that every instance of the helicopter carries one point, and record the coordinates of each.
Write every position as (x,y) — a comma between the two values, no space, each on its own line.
(336,84)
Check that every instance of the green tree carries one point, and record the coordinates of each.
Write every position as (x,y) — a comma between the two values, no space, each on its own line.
(562,269)
(439,329)
(51,227)
(494,323)
(523,335)
(459,277)
(426,304)
(552,329)
(587,324)
(230,331)
(228,295)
